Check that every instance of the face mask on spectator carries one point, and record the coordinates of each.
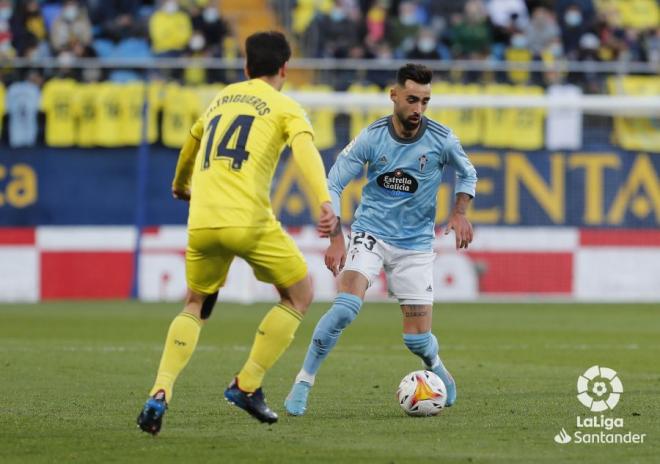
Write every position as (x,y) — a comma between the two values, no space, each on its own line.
(210,15)
(197,42)
(170,7)
(573,18)
(426,45)
(5,13)
(589,41)
(408,19)
(337,15)
(519,41)
(556,49)
(70,12)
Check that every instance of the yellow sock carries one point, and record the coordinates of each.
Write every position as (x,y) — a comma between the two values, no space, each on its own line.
(179,347)
(274,335)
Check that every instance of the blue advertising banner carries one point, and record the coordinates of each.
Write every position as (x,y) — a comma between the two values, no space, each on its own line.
(47,186)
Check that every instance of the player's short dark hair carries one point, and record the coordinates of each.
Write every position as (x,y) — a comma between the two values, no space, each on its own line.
(266,53)
(415,72)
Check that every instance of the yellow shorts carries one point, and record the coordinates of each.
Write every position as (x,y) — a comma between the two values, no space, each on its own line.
(270,251)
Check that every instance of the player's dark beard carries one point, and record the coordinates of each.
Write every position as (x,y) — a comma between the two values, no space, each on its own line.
(407,124)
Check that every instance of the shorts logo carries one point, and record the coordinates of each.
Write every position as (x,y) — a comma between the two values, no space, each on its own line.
(599,388)
(398,183)
(354,252)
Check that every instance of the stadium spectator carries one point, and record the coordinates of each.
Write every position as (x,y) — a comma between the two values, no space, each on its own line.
(212,26)
(403,28)
(376,21)
(426,46)
(573,27)
(652,47)
(610,35)
(170,29)
(71,30)
(26,24)
(472,35)
(116,19)
(507,17)
(6,48)
(542,32)
(333,35)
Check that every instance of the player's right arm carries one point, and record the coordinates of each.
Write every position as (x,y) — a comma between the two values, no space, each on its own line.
(349,165)
(186,162)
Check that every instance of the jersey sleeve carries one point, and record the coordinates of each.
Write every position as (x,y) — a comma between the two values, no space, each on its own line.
(349,164)
(295,122)
(197,130)
(466,175)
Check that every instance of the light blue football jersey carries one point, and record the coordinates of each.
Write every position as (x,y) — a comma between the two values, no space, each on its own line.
(399,200)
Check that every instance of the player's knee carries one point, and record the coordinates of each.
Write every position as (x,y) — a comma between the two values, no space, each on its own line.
(208,305)
(299,296)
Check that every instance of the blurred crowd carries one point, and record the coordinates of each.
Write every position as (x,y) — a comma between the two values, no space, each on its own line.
(504,30)
(481,29)
(113,29)
(544,31)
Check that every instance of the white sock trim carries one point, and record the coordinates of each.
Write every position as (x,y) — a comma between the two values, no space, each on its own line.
(305,377)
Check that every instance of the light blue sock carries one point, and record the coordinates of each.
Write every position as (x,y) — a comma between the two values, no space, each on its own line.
(344,309)
(424,345)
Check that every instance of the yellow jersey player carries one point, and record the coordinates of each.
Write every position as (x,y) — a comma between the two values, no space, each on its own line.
(225,169)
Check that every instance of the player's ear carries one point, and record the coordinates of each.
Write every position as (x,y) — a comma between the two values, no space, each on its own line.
(393,94)
(245,71)
(283,70)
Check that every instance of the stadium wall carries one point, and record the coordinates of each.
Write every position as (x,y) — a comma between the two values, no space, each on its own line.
(569,225)
(81,262)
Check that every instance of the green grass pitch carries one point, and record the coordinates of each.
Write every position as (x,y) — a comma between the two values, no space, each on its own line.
(73,377)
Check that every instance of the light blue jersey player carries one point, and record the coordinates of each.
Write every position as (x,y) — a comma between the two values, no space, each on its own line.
(406,155)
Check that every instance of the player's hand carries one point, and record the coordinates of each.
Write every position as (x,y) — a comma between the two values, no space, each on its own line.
(328,221)
(180,194)
(335,256)
(462,228)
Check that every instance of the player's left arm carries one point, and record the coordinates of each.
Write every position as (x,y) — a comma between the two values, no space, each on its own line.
(308,160)
(186,162)
(466,182)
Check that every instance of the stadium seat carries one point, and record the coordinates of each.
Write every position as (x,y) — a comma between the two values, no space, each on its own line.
(104,48)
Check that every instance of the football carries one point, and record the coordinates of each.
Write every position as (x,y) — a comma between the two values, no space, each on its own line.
(422,393)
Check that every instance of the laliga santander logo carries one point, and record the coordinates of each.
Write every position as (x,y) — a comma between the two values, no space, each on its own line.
(599,388)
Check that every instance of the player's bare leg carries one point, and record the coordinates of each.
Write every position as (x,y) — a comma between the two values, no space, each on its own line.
(417,322)
(352,287)
(180,344)
(273,337)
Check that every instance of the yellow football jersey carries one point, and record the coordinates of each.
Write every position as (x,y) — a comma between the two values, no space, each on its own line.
(85,110)
(2,104)
(527,123)
(109,115)
(181,106)
(57,101)
(499,128)
(242,134)
(132,102)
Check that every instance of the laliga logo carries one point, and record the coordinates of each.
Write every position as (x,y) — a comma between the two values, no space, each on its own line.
(599,388)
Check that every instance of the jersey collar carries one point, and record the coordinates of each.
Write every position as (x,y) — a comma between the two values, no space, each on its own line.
(418,135)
